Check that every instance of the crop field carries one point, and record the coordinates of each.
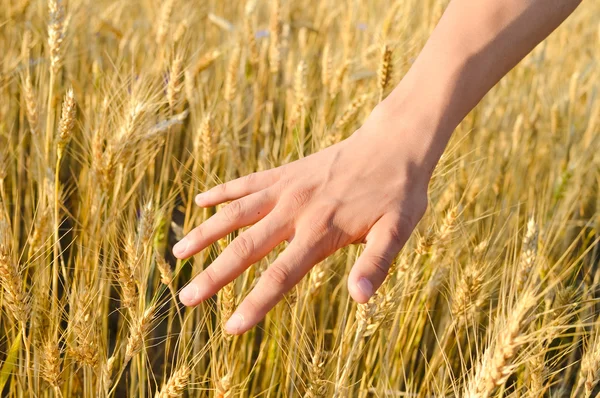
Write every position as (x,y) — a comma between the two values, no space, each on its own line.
(115,114)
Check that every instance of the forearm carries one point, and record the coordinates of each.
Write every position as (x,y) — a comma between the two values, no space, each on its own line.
(474,45)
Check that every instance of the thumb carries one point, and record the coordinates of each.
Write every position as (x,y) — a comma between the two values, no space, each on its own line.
(384,242)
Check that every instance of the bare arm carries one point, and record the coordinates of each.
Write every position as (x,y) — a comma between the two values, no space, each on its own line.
(371,187)
(473,46)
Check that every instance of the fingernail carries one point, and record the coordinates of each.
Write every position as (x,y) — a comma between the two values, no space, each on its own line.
(180,247)
(365,286)
(234,323)
(189,294)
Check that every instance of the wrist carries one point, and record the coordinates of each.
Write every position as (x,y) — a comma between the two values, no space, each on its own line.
(409,126)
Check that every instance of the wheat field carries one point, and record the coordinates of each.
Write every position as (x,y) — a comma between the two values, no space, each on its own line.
(114,114)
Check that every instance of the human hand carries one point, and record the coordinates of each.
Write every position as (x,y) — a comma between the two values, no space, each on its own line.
(370,188)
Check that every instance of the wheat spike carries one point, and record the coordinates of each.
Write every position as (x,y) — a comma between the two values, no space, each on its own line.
(138,330)
(175,85)
(205,61)
(316,376)
(67,122)
(164,21)
(338,79)
(15,297)
(351,112)
(326,65)
(128,285)
(223,387)
(145,230)
(299,95)
(85,344)
(227,301)
(496,364)
(177,383)
(384,72)
(589,373)
(275,37)
(537,374)
(107,371)
(166,274)
(448,227)
(253,52)
(466,299)
(528,254)
(51,363)
(56,34)
(31,106)
(232,75)
(316,278)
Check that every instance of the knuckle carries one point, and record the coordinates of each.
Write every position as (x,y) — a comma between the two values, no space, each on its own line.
(232,211)
(299,197)
(243,247)
(220,189)
(253,304)
(278,275)
(198,234)
(407,221)
(320,226)
(398,235)
(379,264)
(249,179)
(211,276)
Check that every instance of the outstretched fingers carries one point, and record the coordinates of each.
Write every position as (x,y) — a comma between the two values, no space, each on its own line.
(384,242)
(235,215)
(249,247)
(238,188)
(278,279)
